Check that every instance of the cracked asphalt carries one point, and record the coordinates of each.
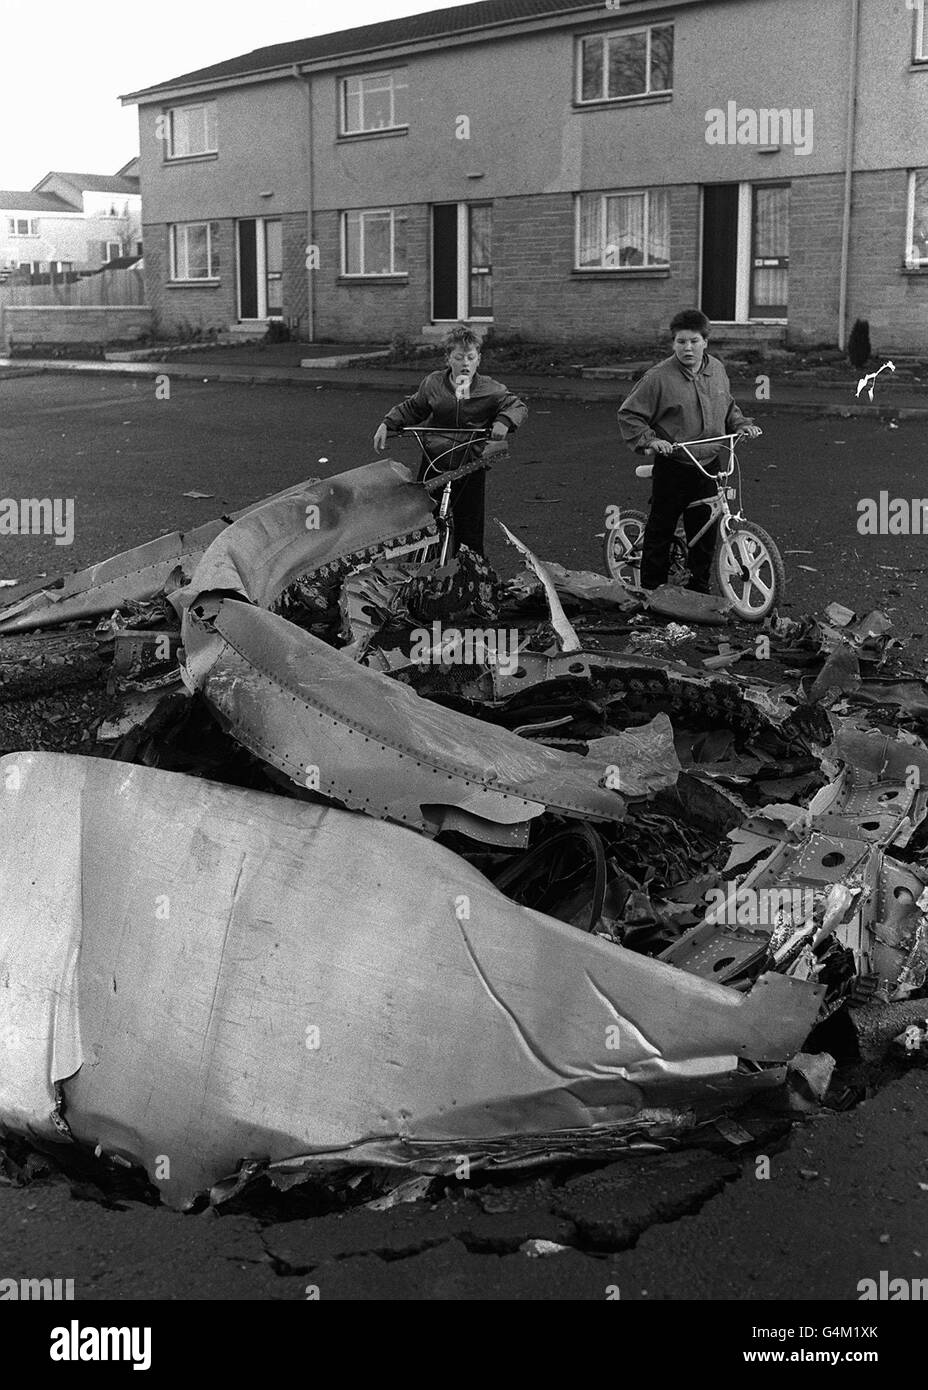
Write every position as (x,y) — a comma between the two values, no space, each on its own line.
(847,1193)
(844,1196)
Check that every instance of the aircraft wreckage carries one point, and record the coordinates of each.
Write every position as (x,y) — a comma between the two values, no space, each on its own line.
(325,889)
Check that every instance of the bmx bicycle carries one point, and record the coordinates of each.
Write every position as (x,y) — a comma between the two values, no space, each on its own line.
(748,566)
(435,479)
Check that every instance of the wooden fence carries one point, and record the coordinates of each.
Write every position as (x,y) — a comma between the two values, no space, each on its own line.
(111,288)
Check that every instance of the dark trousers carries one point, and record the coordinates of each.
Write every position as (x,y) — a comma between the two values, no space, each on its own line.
(468,504)
(674,486)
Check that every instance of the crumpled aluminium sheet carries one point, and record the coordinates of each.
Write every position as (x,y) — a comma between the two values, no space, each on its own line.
(187,985)
(159,566)
(330,725)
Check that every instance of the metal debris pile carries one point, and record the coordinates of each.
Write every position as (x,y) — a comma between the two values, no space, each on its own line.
(731,805)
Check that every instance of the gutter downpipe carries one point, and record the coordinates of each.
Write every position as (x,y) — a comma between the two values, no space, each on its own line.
(849,142)
(306,79)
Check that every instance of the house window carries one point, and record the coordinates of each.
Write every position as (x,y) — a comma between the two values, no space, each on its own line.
(192,130)
(113,249)
(374,242)
(631,63)
(195,251)
(920,54)
(23,226)
(623,231)
(374,101)
(916,239)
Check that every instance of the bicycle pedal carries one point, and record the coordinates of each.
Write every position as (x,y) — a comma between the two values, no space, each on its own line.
(731,493)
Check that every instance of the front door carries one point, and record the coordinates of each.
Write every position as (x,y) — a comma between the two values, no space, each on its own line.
(719,251)
(248,269)
(770,252)
(745,251)
(260,268)
(462,265)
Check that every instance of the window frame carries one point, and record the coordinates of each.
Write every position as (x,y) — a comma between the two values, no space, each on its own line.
(171,155)
(910,261)
(603,38)
(603,196)
(361,77)
(395,215)
(32,226)
(212,273)
(920,35)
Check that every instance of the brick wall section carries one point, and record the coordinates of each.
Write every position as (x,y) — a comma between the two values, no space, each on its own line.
(53,324)
(537,293)
(815,208)
(296,283)
(372,311)
(178,309)
(895,303)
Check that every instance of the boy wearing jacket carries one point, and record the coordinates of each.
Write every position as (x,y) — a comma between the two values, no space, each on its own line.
(458,398)
(687,396)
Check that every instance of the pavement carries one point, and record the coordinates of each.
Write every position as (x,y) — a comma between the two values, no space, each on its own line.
(892,400)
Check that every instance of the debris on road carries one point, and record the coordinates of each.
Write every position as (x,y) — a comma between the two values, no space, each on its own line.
(626,880)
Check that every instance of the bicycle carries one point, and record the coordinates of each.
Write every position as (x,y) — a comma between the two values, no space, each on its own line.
(749,569)
(435,478)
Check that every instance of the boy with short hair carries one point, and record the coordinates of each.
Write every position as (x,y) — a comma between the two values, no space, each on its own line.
(459,398)
(687,396)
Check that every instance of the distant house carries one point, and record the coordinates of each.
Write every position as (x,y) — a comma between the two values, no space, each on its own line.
(71,222)
(559,168)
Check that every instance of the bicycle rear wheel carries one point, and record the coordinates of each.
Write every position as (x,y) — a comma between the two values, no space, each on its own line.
(622,551)
(750,572)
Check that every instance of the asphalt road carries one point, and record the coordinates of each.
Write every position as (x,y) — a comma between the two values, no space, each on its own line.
(845,1198)
(127,459)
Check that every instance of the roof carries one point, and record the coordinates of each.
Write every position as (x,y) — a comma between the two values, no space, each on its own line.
(94,183)
(18,201)
(435,24)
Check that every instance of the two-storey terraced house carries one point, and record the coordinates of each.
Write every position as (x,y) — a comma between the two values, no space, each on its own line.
(554,167)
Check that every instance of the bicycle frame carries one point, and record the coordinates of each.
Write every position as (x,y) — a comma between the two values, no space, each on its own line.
(475,434)
(719,510)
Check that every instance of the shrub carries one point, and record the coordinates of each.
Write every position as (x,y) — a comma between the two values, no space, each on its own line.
(858,344)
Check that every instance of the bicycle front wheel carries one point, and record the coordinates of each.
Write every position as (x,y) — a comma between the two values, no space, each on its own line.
(622,547)
(750,571)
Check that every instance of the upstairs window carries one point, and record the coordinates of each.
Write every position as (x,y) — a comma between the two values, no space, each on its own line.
(623,231)
(374,101)
(630,63)
(192,130)
(920,51)
(23,226)
(916,240)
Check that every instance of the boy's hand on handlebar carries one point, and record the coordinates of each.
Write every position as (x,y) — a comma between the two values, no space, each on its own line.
(380,438)
(661,446)
(749,432)
(500,429)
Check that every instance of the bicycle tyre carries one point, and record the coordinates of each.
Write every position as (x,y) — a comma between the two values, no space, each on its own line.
(622,547)
(758,549)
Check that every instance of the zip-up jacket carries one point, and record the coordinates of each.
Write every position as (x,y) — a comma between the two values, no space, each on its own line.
(671,403)
(436,404)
